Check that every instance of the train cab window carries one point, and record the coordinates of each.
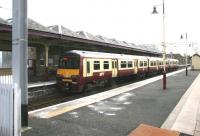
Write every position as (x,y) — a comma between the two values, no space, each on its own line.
(106,65)
(88,67)
(130,64)
(141,63)
(123,64)
(69,61)
(96,65)
(145,63)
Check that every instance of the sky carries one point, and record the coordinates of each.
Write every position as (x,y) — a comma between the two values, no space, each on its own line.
(125,20)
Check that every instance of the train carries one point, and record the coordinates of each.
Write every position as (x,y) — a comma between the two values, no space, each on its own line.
(78,69)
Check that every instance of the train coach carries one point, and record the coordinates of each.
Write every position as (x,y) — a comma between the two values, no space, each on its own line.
(78,69)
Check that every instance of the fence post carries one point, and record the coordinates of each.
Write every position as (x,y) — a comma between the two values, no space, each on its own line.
(17,110)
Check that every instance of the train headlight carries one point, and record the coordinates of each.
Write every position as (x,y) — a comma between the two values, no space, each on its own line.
(66,76)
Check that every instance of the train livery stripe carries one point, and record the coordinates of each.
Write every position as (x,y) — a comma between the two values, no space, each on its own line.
(68,72)
(58,109)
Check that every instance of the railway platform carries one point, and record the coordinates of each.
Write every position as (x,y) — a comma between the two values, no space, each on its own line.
(119,111)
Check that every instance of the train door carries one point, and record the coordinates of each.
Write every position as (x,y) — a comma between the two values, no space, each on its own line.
(114,68)
(88,67)
(135,66)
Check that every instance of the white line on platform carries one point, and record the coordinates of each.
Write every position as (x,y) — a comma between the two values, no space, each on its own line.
(58,109)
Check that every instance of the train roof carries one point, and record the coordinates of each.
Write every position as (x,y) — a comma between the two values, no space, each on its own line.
(114,55)
(105,55)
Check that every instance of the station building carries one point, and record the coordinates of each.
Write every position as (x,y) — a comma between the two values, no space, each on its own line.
(46,44)
(196,62)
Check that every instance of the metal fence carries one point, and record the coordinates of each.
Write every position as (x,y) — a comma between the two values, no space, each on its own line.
(9,107)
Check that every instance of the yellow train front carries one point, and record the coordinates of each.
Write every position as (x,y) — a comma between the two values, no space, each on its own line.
(69,71)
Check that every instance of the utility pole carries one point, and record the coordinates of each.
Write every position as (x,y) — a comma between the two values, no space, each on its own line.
(19,54)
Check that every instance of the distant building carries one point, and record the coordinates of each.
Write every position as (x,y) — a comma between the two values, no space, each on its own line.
(196,62)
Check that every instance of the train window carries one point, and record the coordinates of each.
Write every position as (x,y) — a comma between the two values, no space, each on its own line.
(154,63)
(130,64)
(69,62)
(141,63)
(145,63)
(96,65)
(113,64)
(123,64)
(88,67)
(151,63)
(106,65)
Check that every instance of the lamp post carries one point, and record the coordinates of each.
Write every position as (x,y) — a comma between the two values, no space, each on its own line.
(182,37)
(163,43)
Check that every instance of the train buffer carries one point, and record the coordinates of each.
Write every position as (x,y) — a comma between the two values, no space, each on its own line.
(119,111)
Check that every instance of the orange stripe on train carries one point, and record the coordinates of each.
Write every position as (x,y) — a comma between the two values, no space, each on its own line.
(68,72)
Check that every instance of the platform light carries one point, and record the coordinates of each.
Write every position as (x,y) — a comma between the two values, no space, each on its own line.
(182,37)
(163,43)
(154,10)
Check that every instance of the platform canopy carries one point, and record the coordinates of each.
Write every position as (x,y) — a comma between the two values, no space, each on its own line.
(63,33)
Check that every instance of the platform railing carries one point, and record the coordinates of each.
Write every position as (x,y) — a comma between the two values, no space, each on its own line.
(10,101)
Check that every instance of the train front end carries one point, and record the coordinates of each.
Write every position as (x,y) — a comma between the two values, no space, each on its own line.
(68,72)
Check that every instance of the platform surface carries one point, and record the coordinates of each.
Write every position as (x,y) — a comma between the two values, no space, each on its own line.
(117,115)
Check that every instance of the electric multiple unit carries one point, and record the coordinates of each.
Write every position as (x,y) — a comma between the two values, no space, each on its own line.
(78,69)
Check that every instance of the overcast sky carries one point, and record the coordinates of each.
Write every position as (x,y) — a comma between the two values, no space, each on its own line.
(128,20)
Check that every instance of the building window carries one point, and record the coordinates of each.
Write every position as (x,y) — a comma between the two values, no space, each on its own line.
(130,64)
(96,65)
(106,65)
(123,64)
